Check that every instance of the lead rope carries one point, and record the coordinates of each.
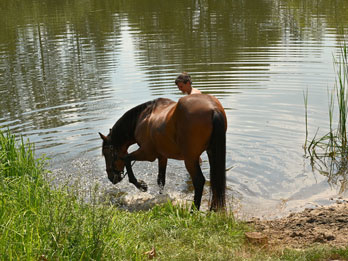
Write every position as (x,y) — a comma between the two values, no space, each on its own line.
(125,173)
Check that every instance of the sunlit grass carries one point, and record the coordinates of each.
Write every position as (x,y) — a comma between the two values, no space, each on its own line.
(37,222)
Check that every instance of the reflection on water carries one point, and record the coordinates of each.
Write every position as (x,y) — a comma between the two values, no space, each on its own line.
(69,69)
(334,168)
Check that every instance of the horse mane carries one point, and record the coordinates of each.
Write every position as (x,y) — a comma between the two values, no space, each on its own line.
(124,128)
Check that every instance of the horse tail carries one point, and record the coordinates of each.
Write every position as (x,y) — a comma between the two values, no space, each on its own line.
(217,160)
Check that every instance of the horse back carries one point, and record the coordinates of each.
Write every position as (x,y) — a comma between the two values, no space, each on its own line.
(197,107)
(194,122)
(178,130)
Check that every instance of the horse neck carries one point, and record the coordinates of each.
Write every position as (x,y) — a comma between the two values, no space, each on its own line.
(123,131)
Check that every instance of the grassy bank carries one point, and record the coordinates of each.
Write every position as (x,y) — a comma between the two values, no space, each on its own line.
(38,223)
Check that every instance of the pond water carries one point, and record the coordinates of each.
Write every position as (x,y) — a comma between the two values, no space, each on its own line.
(70,69)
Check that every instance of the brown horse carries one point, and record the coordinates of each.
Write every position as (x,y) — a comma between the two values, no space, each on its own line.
(178,130)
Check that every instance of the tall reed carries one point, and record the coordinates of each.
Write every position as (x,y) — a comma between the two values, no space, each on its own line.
(329,153)
(305,100)
(342,73)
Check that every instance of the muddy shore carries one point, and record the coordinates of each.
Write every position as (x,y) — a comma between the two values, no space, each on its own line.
(321,225)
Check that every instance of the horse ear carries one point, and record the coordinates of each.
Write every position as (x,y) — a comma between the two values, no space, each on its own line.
(102,136)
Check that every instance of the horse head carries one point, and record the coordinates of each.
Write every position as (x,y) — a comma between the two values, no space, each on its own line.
(113,160)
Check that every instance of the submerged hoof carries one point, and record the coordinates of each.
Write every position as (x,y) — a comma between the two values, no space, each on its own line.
(161,189)
(142,186)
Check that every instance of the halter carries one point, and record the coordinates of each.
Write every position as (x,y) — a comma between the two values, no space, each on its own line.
(114,156)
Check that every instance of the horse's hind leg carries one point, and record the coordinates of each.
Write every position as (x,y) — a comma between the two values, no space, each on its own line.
(162,167)
(198,180)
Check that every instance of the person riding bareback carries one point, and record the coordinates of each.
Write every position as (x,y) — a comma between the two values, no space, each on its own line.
(183,81)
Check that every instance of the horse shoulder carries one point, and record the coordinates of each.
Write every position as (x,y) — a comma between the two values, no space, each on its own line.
(163,131)
(142,137)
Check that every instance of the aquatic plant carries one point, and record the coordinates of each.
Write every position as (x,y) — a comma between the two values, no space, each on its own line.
(329,153)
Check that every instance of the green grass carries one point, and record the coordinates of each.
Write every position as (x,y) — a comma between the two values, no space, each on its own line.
(39,223)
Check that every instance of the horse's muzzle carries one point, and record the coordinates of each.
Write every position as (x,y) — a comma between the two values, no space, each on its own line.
(116,176)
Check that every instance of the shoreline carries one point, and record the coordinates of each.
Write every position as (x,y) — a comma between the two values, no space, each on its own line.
(320,225)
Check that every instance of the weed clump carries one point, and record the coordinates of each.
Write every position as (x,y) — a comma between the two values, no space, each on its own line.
(329,153)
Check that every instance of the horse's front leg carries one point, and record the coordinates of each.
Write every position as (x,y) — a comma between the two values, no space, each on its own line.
(140,154)
(162,167)
(141,185)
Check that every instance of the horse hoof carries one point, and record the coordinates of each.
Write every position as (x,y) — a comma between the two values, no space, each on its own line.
(161,189)
(142,186)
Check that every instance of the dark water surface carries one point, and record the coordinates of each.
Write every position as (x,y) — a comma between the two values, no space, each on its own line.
(69,69)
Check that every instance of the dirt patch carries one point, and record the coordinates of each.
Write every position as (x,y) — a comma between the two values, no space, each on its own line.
(323,225)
